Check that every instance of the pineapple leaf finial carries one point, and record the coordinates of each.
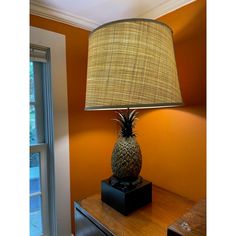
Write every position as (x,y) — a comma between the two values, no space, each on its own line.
(126,121)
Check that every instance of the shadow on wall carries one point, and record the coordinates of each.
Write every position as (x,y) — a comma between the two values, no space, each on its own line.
(188,21)
(191,64)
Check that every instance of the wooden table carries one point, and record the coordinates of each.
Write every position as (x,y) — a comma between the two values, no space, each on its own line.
(93,217)
(192,223)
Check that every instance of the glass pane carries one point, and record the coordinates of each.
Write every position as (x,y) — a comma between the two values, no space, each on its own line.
(35,198)
(32,92)
(33,131)
(36,228)
(35,183)
(36,103)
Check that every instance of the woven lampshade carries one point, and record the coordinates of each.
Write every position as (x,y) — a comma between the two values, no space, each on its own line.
(131,64)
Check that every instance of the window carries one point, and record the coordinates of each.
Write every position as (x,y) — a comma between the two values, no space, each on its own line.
(39,145)
(57,141)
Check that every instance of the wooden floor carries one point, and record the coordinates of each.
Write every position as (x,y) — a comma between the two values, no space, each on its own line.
(152,219)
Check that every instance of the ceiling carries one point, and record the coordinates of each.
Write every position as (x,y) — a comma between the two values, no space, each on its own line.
(89,14)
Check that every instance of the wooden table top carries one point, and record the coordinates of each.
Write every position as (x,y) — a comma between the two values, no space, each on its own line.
(152,219)
(192,223)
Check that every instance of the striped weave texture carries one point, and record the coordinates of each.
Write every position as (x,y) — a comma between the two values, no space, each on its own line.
(131,64)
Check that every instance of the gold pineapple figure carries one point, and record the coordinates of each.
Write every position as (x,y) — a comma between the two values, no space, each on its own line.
(126,155)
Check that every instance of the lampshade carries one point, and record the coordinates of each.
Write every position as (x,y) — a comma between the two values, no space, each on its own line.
(131,64)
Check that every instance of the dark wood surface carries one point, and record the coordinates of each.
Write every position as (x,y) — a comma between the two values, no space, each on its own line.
(86,225)
(152,219)
(192,223)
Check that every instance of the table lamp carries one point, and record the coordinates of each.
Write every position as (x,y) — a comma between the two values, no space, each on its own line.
(131,65)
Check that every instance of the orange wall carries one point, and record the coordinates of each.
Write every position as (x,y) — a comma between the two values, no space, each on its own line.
(173,141)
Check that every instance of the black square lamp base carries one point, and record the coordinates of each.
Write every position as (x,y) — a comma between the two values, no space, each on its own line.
(126,201)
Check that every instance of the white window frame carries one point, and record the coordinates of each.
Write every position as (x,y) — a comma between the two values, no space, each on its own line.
(56,43)
(42,150)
